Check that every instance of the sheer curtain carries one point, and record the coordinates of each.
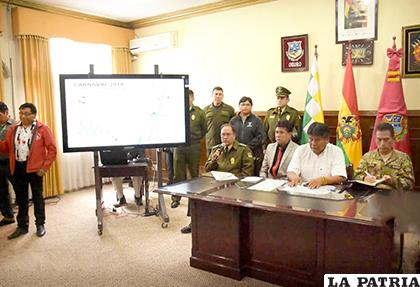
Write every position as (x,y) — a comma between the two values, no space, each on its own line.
(69,57)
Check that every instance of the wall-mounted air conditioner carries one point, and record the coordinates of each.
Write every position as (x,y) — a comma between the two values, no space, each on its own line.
(152,43)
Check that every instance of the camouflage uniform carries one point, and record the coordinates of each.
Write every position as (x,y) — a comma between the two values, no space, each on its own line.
(237,159)
(274,115)
(216,117)
(398,166)
(189,155)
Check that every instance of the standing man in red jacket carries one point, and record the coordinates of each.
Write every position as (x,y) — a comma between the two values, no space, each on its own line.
(31,150)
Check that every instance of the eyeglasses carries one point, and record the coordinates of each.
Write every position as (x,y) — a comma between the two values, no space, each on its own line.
(25,114)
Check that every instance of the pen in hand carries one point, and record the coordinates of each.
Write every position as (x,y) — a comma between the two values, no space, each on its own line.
(368,174)
(369,177)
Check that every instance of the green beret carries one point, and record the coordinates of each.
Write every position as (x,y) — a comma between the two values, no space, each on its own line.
(282,91)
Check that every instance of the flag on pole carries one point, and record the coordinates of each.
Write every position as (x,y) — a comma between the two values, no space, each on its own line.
(313,107)
(349,134)
(392,108)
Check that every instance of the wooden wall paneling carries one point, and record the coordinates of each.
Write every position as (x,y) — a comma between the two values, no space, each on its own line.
(367,121)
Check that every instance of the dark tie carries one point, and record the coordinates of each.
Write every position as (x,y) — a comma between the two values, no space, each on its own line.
(276,166)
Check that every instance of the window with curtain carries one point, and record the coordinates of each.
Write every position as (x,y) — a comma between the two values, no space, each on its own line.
(70,57)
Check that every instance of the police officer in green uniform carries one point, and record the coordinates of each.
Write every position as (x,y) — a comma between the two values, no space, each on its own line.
(217,114)
(282,112)
(188,156)
(230,155)
(386,163)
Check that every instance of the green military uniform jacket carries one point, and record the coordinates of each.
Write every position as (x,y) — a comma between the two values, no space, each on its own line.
(237,160)
(216,117)
(189,155)
(398,166)
(274,115)
(198,124)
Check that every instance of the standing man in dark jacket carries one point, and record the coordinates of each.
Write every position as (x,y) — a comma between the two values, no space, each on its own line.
(250,131)
(31,148)
(217,114)
(5,207)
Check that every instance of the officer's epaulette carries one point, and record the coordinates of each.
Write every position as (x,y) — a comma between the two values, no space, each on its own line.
(291,108)
(241,144)
(272,109)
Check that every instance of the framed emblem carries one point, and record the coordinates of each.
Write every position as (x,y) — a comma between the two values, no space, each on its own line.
(411,51)
(356,20)
(294,53)
(361,52)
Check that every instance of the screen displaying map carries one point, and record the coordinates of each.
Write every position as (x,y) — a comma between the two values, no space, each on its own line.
(105,111)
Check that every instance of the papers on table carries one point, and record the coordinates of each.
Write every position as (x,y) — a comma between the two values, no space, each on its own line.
(372,184)
(222,176)
(251,179)
(303,190)
(268,184)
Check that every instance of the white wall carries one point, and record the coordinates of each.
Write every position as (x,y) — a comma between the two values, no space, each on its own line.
(239,50)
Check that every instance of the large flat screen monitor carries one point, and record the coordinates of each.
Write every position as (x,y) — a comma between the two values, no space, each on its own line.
(101,112)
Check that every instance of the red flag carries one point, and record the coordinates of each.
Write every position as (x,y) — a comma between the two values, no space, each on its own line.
(392,108)
(349,134)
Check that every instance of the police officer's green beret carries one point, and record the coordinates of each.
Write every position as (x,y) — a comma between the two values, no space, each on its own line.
(282,92)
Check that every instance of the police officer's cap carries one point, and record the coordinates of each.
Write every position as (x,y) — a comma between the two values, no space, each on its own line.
(282,92)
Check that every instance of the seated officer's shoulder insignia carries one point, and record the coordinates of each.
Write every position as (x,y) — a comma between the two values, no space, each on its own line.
(242,145)
(272,110)
(250,154)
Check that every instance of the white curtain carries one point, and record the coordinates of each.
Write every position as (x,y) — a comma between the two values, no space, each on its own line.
(69,57)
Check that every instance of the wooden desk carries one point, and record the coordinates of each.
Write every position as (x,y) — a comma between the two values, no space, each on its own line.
(132,169)
(284,239)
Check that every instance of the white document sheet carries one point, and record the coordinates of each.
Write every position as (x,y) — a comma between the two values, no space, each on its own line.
(222,176)
(268,184)
(303,190)
(251,179)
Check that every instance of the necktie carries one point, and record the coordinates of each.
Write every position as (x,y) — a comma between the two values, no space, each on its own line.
(276,166)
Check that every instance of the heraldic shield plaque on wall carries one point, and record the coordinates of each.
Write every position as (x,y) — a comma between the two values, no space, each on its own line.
(294,53)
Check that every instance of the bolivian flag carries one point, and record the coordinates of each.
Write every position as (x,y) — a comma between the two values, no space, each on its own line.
(349,134)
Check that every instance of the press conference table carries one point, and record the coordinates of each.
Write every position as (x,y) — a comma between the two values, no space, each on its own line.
(293,240)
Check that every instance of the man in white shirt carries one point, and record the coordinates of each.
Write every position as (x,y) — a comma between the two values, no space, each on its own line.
(317,162)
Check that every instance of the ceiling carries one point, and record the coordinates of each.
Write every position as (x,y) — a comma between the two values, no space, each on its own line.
(124,10)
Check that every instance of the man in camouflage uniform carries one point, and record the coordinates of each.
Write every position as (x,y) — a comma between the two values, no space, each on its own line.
(188,156)
(393,166)
(230,155)
(217,114)
(282,112)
